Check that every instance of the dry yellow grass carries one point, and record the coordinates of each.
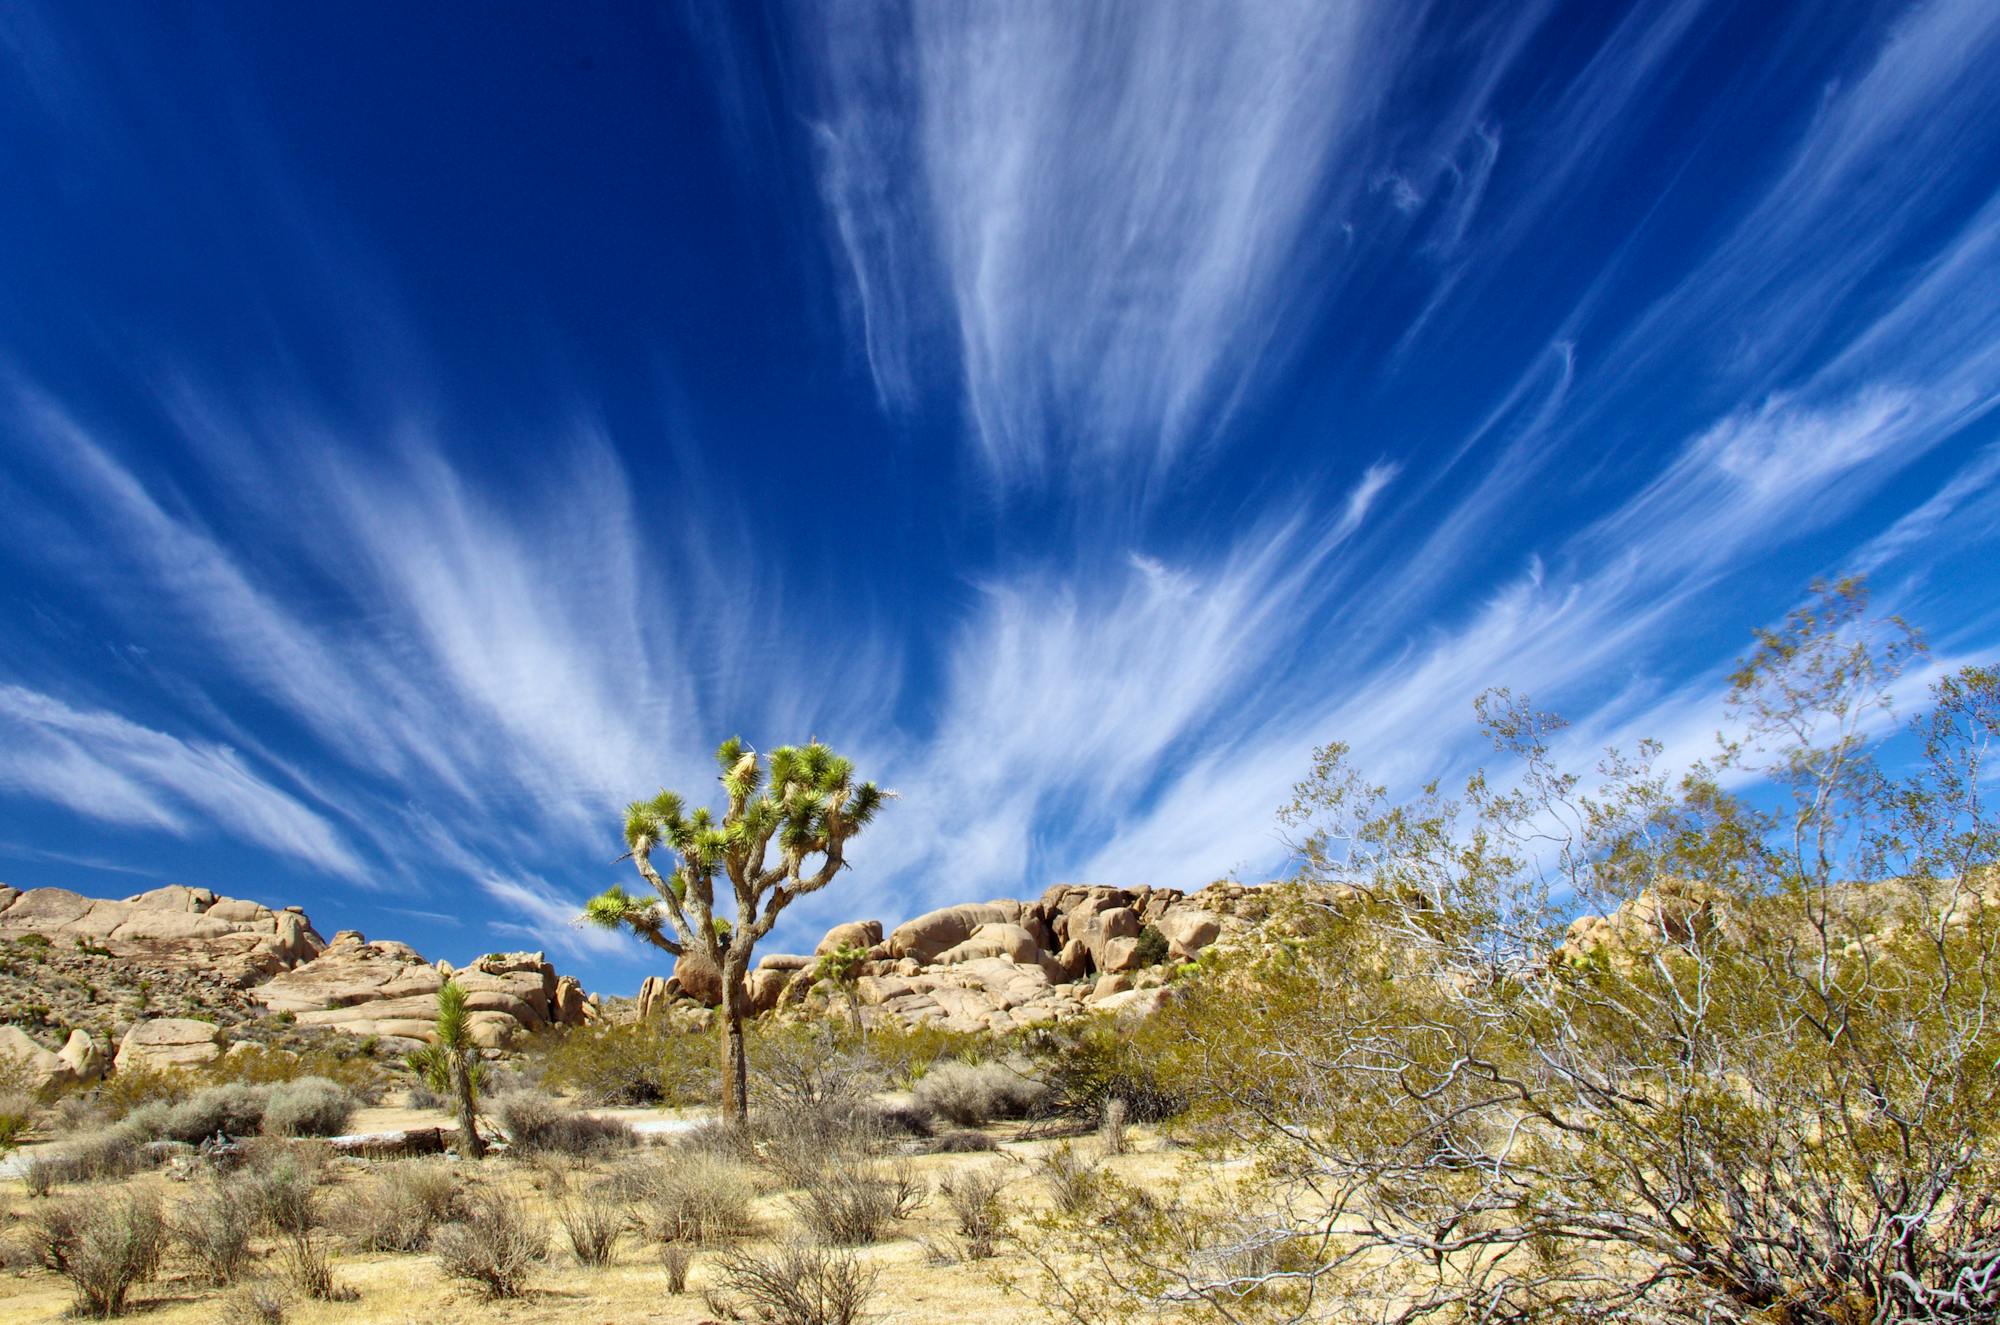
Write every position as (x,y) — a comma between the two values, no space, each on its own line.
(407,1289)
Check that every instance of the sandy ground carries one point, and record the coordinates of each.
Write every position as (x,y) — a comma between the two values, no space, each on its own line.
(407,1290)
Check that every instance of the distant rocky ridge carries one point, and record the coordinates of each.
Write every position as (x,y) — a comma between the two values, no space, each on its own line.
(107,969)
(177,976)
(1001,964)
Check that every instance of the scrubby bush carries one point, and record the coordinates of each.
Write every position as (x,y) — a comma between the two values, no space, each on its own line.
(115,1152)
(852,1205)
(309,1106)
(1086,1065)
(799,1284)
(1753,1081)
(400,1205)
(214,1224)
(696,1198)
(535,1123)
(496,1246)
(972,1094)
(974,1201)
(591,1222)
(343,1062)
(106,1249)
(135,1085)
(676,1258)
(905,1054)
(641,1063)
(231,1110)
(287,1191)
(17,1115)
(261,1303)
(1074,1183)
(1152,948)
(963,1141)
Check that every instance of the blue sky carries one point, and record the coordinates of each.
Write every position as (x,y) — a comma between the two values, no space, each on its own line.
(425,428)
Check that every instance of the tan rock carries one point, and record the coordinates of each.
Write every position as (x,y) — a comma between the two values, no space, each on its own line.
(783,961)
(766,987)
(1187,930)
(169,1042)
(653,998)
(38,1067)
(993,940)
(1107,985)
(82,1057)
(853,934)
(1119,954)
(1134,1002)
(930,934)
(699,979)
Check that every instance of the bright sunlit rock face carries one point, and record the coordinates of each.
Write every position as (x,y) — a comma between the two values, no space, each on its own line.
(1073,413)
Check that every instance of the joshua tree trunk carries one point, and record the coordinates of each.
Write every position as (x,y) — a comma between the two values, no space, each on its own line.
(470,1146)
(735,1055)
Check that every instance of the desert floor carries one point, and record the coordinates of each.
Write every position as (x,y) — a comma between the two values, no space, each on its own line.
(406,1289)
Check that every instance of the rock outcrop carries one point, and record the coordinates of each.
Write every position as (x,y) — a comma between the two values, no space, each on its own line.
(169,1042)
(224,962)
(387,990)
(1000,964)
(239,943)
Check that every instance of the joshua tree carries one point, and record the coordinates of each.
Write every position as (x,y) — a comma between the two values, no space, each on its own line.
(841,968)
(806,802)
(455,1053)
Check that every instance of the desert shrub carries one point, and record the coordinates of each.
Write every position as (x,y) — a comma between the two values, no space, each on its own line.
(972,1094)
(696,1197)
(261,1303)
(110,1247)
(851,1205)
(961,1141)
(905,1054)
(138,1084)
(229,1110)
(1753,1082)
(676,1258)
(640,1063)
(307,1265)
(17,1115)
(309,1106)
(419,1095)
(591,1222)
(1074,1183)
(495,1246)
(1152,949)
(537,1123)
(115,1152)
(214,1224)
(1111,1136)
(810,1066)
(799,1284)
(1085,1065)
(399,1206)
(287,1194)
(342,1063)
(974,1201)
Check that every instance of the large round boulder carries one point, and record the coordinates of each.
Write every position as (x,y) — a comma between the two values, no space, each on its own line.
(169,1042)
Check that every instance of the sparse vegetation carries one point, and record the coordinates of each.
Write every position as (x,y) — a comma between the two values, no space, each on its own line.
(799,1283)
(852,1205)
(535,1123)
(496,1246)
(105,1248)
(973,1094)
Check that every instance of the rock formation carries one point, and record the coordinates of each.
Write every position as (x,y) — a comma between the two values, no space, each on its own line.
(220,962)
(999,964)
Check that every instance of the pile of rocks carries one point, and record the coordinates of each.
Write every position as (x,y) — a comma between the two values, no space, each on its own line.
(227,962)
(1001,964)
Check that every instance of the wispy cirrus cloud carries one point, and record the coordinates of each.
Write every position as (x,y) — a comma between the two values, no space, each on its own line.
(116,771)
(1099,207)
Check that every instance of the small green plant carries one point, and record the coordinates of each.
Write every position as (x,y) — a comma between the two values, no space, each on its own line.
(1152,949)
